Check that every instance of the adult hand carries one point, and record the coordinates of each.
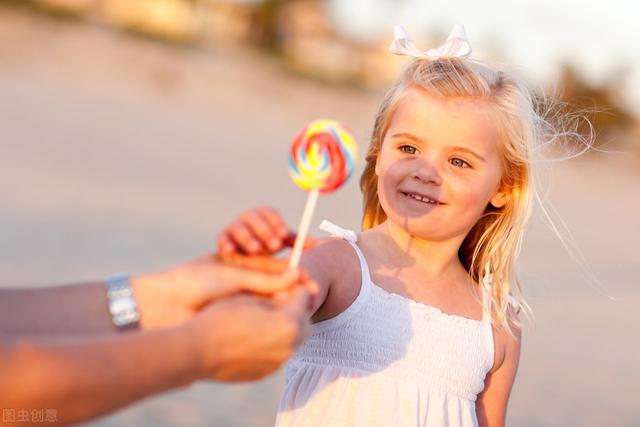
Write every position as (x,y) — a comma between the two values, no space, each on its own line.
(176,295)
(246,337)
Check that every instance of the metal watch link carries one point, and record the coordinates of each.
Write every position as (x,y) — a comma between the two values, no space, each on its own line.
(122,302)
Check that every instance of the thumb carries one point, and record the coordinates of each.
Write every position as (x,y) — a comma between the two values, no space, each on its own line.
(296,307)
(296,303)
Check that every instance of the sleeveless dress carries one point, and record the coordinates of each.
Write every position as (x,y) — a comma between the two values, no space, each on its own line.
(388,360)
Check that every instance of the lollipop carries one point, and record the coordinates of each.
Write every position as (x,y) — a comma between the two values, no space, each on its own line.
(322,156)
(321,159)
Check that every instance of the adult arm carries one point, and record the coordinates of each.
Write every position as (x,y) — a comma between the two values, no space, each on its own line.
(164,299)
(238,338)
(72,309)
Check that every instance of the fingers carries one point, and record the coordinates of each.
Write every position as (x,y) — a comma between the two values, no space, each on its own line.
(262,282)
(314,293)
(296,302)
(255,231)
(296,307)
(242,238)
(260,227)
(225,244)
(260,263)
(274,220)
(312,289)
(258,231)
(260,273)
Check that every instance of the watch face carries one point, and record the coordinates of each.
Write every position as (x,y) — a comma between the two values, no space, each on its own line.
(122,303)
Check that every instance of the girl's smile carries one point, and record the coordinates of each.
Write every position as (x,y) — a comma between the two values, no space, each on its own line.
(422,198)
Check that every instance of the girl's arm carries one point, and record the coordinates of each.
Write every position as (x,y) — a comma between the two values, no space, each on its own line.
(491,406)
(262,231)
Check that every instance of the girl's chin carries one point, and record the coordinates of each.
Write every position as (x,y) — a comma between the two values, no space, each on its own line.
(422,227)
(416,213)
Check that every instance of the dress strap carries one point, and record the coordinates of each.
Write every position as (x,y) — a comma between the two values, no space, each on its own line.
(336,231)
(487,285)
(487,281)
(351,237)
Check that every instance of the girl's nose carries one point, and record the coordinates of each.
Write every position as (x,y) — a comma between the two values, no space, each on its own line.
(427,173)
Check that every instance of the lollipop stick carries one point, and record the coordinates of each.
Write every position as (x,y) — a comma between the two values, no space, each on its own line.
(303,228)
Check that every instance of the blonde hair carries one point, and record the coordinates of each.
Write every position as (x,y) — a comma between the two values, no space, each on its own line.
(496,238)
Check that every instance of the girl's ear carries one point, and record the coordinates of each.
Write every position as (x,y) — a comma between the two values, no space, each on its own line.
(499,199)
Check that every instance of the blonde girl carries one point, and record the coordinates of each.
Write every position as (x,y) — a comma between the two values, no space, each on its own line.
(417,323)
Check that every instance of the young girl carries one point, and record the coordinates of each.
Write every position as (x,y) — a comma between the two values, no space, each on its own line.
(416,323)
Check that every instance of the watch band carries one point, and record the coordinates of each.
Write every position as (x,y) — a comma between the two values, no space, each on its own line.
(122,302)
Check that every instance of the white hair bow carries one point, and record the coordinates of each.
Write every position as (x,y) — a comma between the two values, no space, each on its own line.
(456,45)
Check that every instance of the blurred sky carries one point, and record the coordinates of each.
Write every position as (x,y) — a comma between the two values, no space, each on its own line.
(599,37)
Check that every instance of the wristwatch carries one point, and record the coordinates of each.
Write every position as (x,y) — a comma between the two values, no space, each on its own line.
(122,302)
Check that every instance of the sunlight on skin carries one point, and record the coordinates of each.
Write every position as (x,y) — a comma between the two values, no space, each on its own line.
(427,151)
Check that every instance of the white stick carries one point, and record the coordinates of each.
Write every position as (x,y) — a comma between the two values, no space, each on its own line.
(304,228)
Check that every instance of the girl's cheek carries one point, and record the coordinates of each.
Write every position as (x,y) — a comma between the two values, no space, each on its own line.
(385,160)
(476,200)
(386,183)
(390,170)
(464,190)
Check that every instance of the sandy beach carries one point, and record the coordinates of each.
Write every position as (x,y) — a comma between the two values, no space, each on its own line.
(122,154)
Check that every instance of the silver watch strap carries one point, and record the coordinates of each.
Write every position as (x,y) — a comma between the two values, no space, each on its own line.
(122,302)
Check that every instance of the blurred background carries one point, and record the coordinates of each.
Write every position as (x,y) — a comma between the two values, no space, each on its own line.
(131,131)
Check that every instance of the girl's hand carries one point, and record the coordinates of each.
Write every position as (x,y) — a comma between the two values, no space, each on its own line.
(255,232)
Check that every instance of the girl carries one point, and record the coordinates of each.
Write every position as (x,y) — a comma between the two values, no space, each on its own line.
(416,322)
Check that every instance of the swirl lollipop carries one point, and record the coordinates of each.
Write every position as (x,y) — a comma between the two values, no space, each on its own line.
(321,159)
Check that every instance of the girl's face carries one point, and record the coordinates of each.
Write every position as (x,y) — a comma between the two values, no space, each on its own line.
(439,166)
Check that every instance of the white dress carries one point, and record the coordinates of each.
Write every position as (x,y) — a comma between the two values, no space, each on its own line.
(388,360)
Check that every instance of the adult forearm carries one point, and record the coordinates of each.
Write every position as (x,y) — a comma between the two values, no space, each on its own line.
(85,379)
(71,309)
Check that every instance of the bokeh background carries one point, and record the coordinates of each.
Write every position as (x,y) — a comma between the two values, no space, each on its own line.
(131,131)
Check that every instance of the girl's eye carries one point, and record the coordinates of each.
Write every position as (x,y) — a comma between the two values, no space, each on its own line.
(408,149)
(459,163)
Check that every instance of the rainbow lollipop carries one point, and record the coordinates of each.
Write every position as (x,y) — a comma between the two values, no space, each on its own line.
(322,156)
(321,159)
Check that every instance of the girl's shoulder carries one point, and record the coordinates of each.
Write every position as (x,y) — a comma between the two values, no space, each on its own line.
(334,265)
(332,255)
(336,253)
